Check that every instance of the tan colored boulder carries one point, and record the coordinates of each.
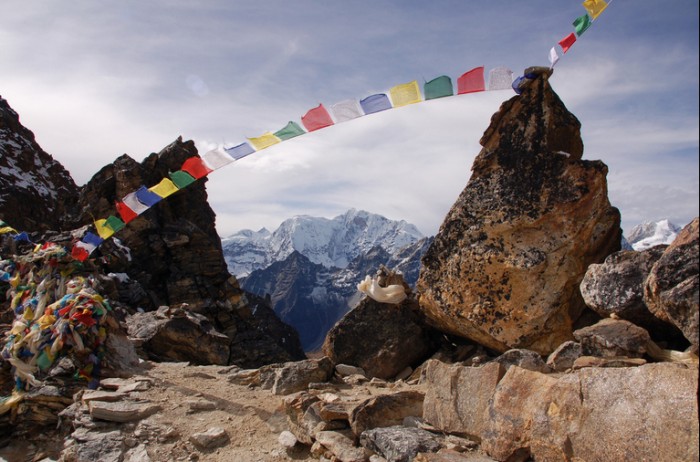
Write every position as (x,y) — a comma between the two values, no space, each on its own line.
(649,412)
(386,410)
(505,267)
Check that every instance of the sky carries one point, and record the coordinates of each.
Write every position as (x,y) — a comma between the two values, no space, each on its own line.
(95,80)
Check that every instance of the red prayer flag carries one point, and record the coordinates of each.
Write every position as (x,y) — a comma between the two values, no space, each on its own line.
(471,81)
(196,167)
(316,118)
(567,41)
(78,253)
(126,213)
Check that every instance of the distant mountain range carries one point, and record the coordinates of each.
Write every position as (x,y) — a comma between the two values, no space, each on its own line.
(310,266)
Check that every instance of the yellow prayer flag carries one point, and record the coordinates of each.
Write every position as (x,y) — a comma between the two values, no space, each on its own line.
(264,141)
(406,93)
(7,229)
(594,7)
(103,230)
(164,188)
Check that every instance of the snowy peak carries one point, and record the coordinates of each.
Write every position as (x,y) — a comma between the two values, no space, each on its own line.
(328,242)
(646,235)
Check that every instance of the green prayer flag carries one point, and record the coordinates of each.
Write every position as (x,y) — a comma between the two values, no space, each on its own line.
(581,24)
(438,88)
(181,179)
(290,131)
(115,223)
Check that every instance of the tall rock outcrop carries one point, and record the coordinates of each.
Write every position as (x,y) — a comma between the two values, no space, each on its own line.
(174,252)
(506,264)
(36,192)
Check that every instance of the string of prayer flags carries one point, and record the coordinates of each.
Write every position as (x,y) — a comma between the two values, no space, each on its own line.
(264,141)
(471,81)
(594,7)
(216,158)
(195,167)
(581,24)
(346,110)
(237,152)
(289,131)
(317,118)
(439,87)
(500,78)
(567,42)
(375,103)
(405,94)
(165,188)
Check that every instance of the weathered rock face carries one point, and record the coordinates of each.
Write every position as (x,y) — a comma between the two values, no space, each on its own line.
(175,256)
(175,250)
(595,414)
(36,192)
(505,267)
(380,338)
(672,287)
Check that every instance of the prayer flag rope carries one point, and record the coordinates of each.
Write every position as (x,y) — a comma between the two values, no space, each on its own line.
(135,203)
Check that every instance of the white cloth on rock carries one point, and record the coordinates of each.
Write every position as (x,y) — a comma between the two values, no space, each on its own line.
(391,294)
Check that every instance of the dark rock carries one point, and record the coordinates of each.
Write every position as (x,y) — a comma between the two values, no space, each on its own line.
(399,444)
(177,335)
(672,287)
(505,268)
(36,193)
(613,337)
(382,339)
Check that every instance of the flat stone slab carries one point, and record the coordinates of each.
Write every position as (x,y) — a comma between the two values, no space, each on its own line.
(121,411)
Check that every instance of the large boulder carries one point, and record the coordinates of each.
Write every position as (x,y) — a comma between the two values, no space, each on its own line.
(672,287)
(177,335)
(615,288)
(505,267)
(383,339)
(614,414)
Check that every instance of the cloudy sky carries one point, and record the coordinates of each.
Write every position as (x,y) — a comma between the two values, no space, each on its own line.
(94,80)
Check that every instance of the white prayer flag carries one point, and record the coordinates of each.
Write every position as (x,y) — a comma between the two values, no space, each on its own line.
(216,158)
(553,57)
(346,110)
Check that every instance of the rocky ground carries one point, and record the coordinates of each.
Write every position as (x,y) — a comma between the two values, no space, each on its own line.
(185,400)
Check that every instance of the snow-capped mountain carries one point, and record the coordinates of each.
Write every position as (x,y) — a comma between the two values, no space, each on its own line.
(332,243)
(653,233)
(310,267)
